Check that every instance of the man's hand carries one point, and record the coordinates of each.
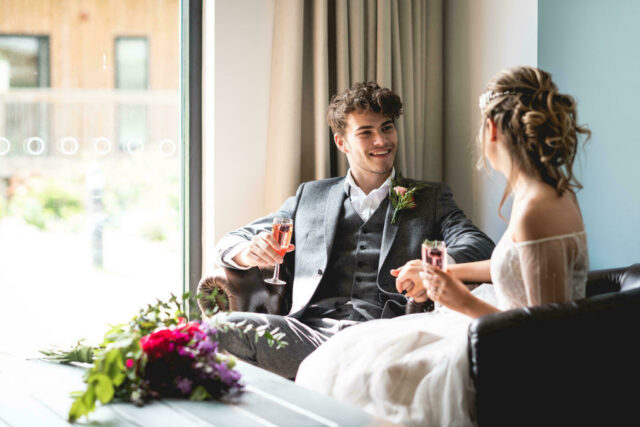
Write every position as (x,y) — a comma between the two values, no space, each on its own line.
(261,251)
(408,280)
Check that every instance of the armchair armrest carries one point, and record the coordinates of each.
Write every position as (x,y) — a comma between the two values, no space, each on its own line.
(613,280)
(558,364)
(245,290)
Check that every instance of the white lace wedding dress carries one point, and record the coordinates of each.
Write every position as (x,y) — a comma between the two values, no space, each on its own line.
(414,370)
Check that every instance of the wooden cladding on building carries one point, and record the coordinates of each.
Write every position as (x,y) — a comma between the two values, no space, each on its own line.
(82,37)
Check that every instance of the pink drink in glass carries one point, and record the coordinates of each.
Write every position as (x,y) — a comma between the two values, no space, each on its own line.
(434,252)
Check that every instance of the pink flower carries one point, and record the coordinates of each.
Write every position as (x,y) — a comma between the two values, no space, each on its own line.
(400,191)
(129,363)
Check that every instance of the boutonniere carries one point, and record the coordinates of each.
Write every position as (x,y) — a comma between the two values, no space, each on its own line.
(402,195)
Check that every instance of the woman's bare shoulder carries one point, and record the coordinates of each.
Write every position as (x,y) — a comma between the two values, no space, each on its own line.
(547,216)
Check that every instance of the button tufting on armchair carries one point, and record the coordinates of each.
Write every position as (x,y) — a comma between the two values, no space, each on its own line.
(245,290)
(570,364)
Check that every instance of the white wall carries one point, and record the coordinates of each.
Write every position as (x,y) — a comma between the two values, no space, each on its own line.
(481,38)
(237,64)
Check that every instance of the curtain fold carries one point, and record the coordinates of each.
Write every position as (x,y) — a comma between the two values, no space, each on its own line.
(321,47)
(284,149)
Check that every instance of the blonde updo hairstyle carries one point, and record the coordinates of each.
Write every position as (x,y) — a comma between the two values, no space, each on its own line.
(538,124)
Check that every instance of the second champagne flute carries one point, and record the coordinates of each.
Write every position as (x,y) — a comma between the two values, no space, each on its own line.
(434,252)
(282,230)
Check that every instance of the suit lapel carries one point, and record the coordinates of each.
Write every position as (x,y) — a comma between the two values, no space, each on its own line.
(388,235)
(332,213)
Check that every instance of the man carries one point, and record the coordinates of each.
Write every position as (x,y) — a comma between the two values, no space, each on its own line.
(345,242)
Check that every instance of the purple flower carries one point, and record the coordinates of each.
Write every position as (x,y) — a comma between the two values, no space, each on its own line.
(207,346)
(209,327)
(184,385)
(227,375)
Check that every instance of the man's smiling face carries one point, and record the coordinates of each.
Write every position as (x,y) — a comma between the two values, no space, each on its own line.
(369,141)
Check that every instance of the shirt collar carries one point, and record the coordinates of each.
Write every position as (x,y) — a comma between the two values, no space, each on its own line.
(350,185)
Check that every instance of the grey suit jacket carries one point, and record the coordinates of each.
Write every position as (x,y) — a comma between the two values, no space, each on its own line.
(315,210)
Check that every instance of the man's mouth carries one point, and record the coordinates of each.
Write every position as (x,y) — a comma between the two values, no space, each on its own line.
(381,153)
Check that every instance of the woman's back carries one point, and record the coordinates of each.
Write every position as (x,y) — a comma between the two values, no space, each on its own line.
(543,256)
(533,272)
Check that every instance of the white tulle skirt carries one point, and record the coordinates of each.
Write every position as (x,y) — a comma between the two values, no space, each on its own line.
(411,370)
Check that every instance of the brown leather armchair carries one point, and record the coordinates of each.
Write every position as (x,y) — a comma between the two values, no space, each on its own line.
(245,290)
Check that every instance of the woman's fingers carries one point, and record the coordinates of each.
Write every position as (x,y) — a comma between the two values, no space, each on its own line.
(432,284)
(432,293)
(432,269)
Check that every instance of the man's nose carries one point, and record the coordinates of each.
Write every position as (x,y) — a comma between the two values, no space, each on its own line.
(378,139)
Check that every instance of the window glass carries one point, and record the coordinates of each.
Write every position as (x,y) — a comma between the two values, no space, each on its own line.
(131,63)
(89,166)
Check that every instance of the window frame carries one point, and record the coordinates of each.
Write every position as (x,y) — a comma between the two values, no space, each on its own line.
(191,153)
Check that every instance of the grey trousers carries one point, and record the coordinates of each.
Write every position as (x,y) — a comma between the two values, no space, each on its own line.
(302,339)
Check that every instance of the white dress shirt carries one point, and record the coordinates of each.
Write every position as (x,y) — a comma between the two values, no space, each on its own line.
(366,204)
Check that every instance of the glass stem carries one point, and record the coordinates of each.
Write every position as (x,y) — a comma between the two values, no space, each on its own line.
(276,272)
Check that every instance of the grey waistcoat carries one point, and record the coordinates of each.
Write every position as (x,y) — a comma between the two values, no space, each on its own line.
(348,289)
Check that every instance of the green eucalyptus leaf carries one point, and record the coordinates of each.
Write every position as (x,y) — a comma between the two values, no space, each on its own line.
(89,396)
(78,409)
(200,393)
(102,386)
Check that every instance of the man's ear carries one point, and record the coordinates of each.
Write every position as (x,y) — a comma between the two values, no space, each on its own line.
(341,143)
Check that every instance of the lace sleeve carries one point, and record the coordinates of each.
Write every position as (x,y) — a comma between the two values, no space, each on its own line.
(553,269)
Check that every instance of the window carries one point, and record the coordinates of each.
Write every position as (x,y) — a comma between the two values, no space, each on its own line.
(24,61)
(24,64)
(90,192)
(132,65)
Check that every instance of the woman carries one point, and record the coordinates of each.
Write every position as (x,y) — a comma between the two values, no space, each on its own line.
(414,369)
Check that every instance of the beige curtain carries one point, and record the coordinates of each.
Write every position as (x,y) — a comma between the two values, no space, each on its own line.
(323,46)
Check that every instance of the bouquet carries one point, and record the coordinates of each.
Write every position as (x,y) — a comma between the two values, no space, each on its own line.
(158,354)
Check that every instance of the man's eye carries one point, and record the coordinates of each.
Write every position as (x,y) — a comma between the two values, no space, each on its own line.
(387,128)
(365,133)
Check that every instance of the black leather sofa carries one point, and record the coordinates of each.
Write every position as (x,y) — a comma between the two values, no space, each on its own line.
(570,364)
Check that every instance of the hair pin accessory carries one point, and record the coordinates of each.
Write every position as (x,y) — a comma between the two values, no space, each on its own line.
(486,97)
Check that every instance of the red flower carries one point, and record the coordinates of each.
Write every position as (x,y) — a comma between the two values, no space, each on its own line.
(129,363)
(164,341)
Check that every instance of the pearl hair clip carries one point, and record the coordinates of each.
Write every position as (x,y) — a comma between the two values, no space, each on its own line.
(484,99)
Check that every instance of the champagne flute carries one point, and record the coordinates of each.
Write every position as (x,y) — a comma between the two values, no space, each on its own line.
(282,230)
(434,252)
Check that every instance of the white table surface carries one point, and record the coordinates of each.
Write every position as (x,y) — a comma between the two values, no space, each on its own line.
(36,393)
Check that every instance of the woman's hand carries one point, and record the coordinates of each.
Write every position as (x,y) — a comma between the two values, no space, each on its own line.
(408,280)
(446,289)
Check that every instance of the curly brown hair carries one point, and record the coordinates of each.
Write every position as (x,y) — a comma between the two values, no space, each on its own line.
(539,125)
(362,97)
